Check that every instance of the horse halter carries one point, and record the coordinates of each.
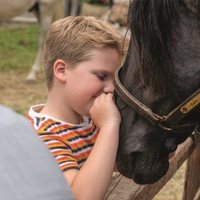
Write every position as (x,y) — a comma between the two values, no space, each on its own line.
(169,122)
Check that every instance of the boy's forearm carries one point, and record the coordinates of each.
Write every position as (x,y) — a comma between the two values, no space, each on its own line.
(94,177)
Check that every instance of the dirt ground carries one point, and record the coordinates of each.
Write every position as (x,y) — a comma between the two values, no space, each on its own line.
(16,93)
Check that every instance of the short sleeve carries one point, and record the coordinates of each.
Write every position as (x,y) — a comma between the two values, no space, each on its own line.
(60,150)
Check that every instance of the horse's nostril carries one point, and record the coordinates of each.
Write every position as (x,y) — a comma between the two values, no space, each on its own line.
(170,144)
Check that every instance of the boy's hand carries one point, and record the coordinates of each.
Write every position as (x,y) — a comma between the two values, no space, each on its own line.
(104,111)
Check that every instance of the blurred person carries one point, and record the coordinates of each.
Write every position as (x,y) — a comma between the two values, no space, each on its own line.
(28,171)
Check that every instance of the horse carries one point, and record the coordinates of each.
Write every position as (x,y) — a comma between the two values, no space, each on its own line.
(157,87)
(46,11)
(73,7)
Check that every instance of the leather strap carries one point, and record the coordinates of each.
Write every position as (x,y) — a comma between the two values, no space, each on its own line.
(169,122)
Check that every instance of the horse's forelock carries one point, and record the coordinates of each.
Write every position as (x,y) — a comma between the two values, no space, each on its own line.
(150,22)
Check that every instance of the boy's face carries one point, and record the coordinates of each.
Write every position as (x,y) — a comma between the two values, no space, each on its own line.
(89,79)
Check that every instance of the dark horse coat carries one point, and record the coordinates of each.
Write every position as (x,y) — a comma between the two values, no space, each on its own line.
(161,69)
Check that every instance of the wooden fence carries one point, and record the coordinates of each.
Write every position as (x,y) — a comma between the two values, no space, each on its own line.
(125,189)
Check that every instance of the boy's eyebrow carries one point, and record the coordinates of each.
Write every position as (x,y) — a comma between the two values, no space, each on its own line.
(103,71)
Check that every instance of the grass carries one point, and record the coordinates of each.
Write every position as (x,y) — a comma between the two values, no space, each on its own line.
(18,47)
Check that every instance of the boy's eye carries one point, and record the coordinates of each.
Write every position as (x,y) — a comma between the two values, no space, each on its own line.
(101,76)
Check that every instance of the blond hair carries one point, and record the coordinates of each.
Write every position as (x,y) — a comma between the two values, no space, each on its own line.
(73,38)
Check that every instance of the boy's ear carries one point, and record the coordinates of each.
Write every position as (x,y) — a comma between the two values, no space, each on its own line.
(60,69)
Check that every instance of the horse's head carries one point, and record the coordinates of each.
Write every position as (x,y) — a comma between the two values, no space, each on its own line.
(161,70)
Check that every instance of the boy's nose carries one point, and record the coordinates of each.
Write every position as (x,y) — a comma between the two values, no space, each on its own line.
(109,88)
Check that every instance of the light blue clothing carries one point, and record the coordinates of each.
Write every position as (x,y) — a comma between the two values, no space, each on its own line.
(27,170)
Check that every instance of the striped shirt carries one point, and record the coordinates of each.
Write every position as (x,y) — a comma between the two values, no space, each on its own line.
(70,144)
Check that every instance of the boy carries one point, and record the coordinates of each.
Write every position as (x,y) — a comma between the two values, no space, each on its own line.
(79,121)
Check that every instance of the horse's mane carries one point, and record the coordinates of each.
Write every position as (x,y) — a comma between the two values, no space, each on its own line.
(151,22)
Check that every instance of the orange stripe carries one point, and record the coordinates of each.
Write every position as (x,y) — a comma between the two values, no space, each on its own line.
(83,155)
(67,166)
(60,152)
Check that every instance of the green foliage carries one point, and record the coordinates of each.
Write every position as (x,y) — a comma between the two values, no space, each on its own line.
(19,45)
